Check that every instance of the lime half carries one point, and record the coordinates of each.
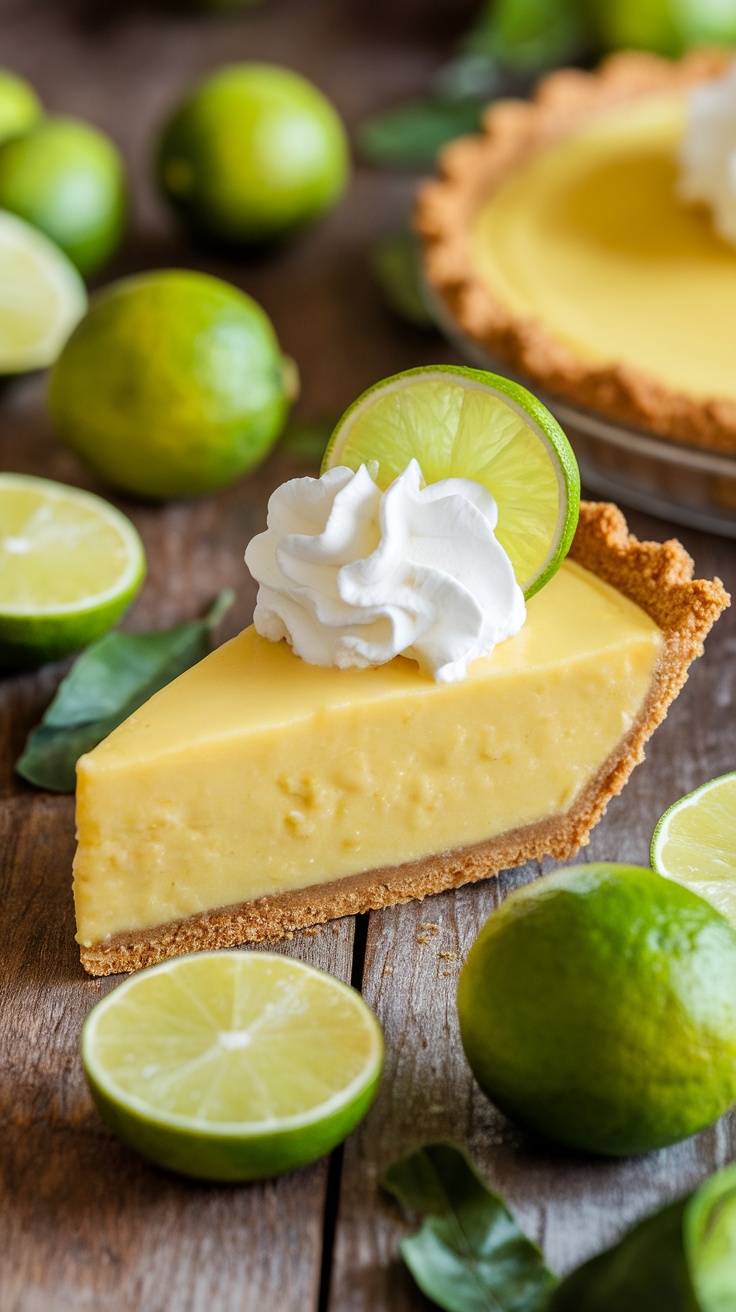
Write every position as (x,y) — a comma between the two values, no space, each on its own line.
(695,843)
(466,423)
(43,297)
(232,1065)
(70,564)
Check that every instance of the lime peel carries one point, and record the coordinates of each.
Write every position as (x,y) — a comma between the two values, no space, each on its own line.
(512,445)
(294,998)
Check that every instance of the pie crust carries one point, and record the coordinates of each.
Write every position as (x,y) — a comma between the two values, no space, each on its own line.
(472,167)
(659,578)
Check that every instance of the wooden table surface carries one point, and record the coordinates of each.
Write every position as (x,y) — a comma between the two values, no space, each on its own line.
(84,1222)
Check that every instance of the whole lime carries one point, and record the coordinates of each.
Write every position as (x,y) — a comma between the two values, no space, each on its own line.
(669,27)
(253,153)
(598,1007)
(173,384)
(20,107)
(67,179)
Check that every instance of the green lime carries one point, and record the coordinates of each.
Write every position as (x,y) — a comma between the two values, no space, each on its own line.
(669,27)
(695,843)
(172,385)
(20,107)
(465,423)
(43,297)
(598,1007)
(232,1065)
(253,153)
(67,179)
(70,564)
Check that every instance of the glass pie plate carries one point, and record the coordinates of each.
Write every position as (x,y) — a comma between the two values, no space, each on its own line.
(687,484)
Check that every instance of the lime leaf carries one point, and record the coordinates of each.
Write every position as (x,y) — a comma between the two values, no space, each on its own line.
(410,135)
(646,1272)
(469,1255)
(104,686)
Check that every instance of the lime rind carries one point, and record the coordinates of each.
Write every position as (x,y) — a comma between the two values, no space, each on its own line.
(44,297)
(694,842)
(524,458)
(186,1024)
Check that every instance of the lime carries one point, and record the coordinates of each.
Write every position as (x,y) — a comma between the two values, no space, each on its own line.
(172,385)
(465,423)
(232,1065)
(695,843)
(20,107)
(43,297)
(70,564)
(253,153)
(67,179)
(669,27)
(598,1007)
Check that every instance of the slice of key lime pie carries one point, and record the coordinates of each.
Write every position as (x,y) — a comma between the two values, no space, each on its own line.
(588,239)
(445,677)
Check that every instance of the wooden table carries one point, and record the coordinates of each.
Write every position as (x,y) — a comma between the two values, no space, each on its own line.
(84,1223)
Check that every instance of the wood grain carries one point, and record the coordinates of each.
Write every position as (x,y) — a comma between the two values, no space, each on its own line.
(574,1205)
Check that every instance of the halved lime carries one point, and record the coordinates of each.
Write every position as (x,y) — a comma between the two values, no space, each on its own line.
(70,564)
(695,843)
(43,297)
(466,423)
(232,1065)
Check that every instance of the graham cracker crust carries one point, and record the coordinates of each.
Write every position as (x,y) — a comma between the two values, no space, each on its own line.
(659,578)
(471,168)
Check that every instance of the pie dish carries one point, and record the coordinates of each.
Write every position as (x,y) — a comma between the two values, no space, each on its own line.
(557,243)
(257,794)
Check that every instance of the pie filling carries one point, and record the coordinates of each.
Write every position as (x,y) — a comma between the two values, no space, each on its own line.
(254,773)
(590,239)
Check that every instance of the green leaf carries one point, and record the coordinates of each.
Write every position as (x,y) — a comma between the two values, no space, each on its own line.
(646,1272)
(411,135)
(469,1255)
(307,439)
(527,36)
(105,685)
(397,267)
(710,1241)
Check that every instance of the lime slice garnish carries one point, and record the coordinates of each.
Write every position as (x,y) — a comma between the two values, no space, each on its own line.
(695,843)
(43,297)
(70,564)
(232,1065)
(466,423)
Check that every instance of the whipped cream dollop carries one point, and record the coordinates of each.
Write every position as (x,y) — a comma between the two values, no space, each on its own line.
(353,576)
(708,151)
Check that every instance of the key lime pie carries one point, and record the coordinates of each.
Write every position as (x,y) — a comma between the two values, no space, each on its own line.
(445,677)
(588,238)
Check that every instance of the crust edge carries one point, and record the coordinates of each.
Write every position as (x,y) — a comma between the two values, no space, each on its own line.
(658,577)
(470,168)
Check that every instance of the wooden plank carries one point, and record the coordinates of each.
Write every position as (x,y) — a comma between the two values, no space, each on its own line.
(573,1204)
(84,1220)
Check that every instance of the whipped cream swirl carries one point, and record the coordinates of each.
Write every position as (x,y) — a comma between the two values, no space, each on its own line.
(352,576)
(708,151)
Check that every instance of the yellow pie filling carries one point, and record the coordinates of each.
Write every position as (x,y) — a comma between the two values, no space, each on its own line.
(255,773)
(589,239)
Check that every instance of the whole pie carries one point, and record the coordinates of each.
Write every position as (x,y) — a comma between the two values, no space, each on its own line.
(558,243)
(257,794)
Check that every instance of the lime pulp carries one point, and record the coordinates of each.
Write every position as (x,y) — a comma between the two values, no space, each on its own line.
(467,423)
(232,1065)
(43,297)
(695,843)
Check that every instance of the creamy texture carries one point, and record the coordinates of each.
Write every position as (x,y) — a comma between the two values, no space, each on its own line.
(352,576)
(590,239)
(255,772)
(708,151)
